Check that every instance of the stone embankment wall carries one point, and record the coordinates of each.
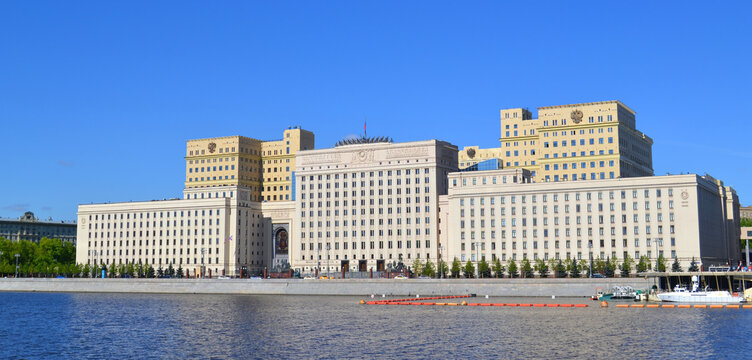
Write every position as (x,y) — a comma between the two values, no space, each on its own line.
(352,287)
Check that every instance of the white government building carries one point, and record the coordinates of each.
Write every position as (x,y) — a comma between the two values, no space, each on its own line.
(365,204)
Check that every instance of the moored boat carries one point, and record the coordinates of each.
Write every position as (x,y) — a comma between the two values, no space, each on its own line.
(682,295)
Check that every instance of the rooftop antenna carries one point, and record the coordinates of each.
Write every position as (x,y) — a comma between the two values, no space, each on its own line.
(365,132)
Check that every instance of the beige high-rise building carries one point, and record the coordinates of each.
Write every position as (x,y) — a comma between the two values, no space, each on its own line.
(369,203)
(264,167)
(589,141)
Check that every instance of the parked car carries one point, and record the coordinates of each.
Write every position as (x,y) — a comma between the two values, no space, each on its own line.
(323,277)
(255,277)
(424,277)
(223,277)
(597,275)
(400,277)
(309,278)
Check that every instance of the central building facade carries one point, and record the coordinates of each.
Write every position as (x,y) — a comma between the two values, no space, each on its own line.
(369,204)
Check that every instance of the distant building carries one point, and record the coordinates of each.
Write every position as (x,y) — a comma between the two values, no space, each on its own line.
(28,227)
(745,212)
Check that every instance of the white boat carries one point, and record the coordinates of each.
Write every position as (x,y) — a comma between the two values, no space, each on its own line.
(682,295)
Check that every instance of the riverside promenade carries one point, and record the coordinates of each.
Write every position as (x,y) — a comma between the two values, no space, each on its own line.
(351,287)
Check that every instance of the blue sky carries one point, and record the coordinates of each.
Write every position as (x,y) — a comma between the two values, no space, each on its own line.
(98,98)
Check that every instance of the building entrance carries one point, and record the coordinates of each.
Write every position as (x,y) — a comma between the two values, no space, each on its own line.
(380,265)
(362,265)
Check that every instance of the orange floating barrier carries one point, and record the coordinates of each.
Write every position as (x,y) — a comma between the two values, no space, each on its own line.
(700,306)
(452,304)
(539,305)
(668,306)
(580,305)
(485,304)
(683,306)
(716,306)
(512,305)
(499,304)
(732,306)
(440,304)
(526,305)
(637,305)
(473,304)
(567,305)
(746,306)
(622,305)
(552,305)
(652,306)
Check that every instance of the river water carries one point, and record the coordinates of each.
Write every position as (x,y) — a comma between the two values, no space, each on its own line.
(140,326)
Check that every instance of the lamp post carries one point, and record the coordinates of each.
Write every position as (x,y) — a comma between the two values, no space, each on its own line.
(477,260)
(17,256)
(657,257)
(327,260)
(318,260)
(590,250)
(441,261)
(203,269)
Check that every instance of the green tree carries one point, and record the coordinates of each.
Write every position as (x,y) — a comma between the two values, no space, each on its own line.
(443,269)
(112,271)
(120,270)
(744,222)
(130,269)
(180,271)
(170,271)
(512,269)
(484,270)
(561,270)
(160,272)
(626,266)
(469,270)
(583,267)
(429,269)
(611,265)
(573,268)
(693,266)
(642,266)
(527,268)
(149,271)
(599,266)
(140,271)
(86,270)
(498,269)
(417,267)
(541,267)
(676,267)
(660,264)
(456,268)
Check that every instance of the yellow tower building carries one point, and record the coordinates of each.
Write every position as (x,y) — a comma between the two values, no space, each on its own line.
(264,167)
(586,141)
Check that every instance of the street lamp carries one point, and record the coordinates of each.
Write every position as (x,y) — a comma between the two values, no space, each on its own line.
(658,243)
(477,260)
(327,260)
(441,261)
(203,269)
(590,250)
(17,256)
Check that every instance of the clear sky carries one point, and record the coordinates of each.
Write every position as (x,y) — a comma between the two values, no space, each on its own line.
(97,98)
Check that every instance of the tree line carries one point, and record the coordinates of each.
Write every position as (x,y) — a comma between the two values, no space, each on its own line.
(572,268)
(54,257)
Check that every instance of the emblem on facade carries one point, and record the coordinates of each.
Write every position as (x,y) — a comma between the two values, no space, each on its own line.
(470,153)
(362,156)
(577,116)
(684,195)
(212,147)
